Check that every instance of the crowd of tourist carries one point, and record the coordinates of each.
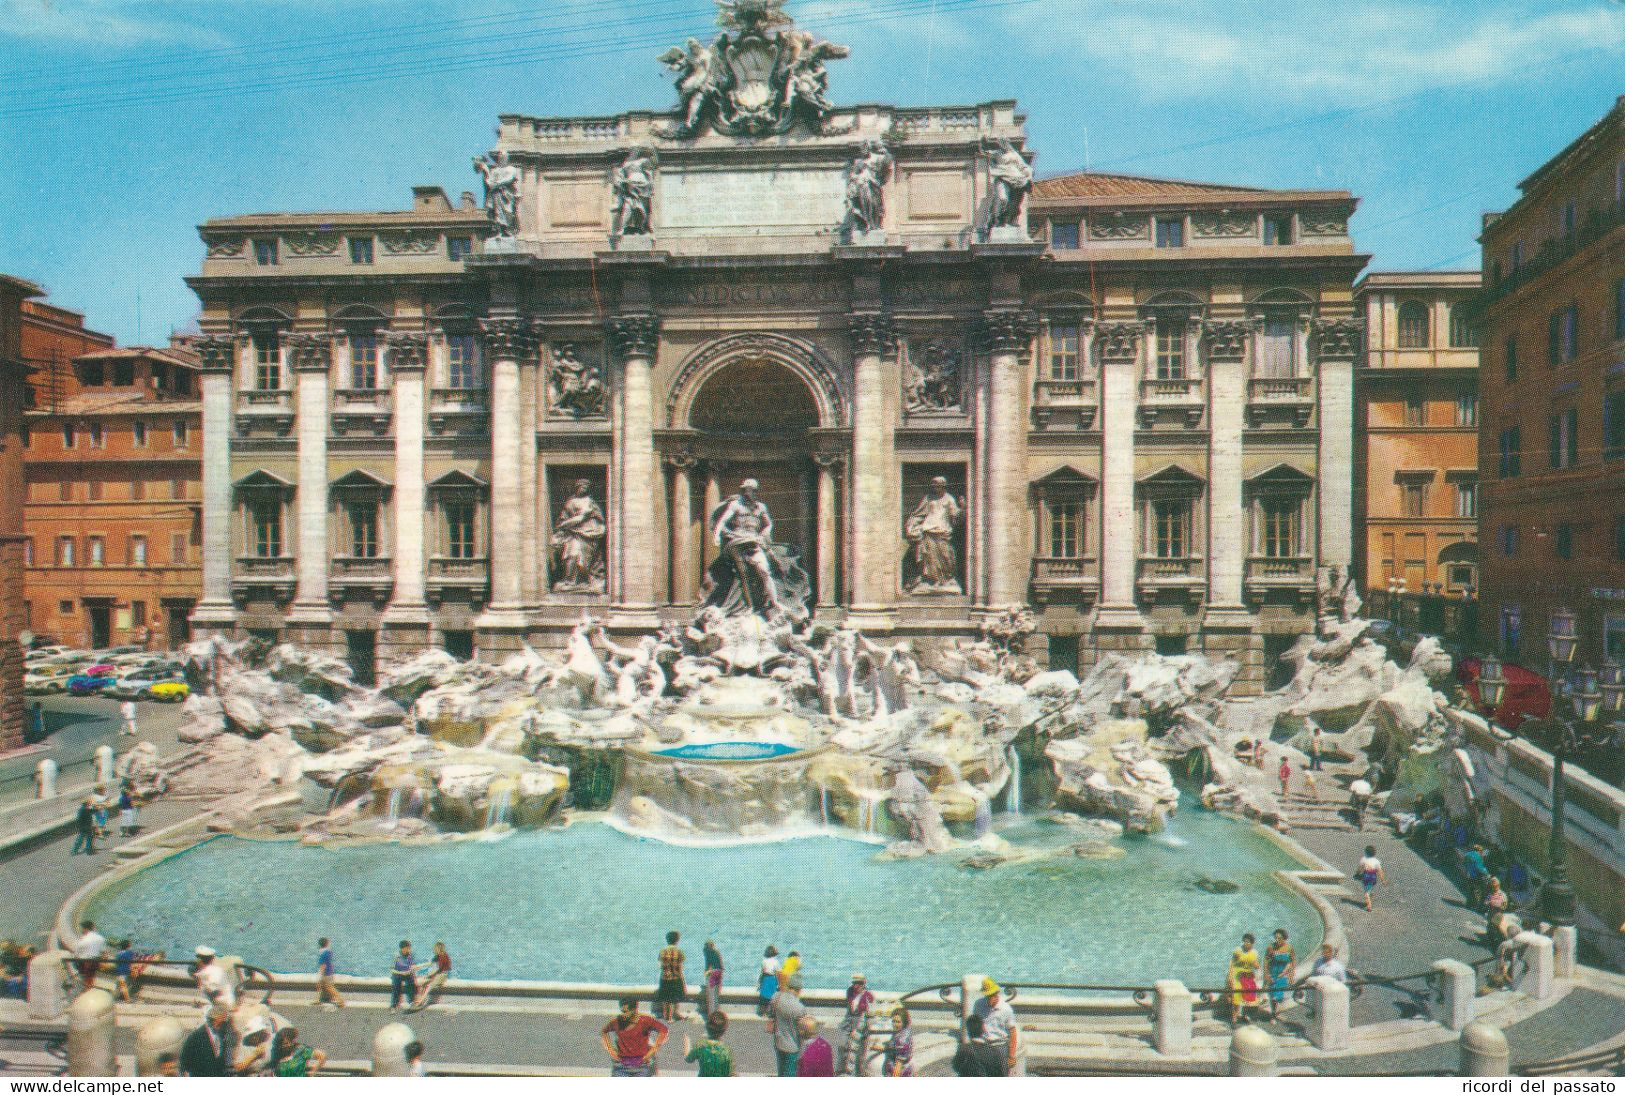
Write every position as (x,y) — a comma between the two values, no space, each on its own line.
(92,821)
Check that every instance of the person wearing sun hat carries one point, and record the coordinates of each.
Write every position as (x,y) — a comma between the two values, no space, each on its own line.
(213,981)
(850,1043)
(998,1020)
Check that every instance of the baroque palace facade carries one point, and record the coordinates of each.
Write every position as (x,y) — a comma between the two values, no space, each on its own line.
(468,426)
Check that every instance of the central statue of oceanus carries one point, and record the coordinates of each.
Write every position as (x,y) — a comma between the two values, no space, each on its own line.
(752,574)
(757,81)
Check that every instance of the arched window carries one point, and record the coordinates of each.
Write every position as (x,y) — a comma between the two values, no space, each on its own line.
(1463,331)
(1413,325)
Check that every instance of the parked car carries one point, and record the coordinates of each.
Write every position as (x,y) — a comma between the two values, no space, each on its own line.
(1528,694)
(91,682)
(139,684)
(128,648)
(172,691)
(47,680)
(42,653)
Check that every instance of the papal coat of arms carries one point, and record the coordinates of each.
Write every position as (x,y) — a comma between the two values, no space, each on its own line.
(755,79)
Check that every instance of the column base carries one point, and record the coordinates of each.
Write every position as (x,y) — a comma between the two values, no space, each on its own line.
(1228,618)
(214,614)
(309,613)
(1119,618)
(871,618)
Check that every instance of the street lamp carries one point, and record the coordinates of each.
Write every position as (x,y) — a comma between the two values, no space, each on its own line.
(1492,687)
(1612,680)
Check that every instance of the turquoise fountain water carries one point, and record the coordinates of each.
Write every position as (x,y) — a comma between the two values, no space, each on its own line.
(587,903)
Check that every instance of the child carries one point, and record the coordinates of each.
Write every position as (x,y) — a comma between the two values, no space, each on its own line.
(1286,775)
(123,967)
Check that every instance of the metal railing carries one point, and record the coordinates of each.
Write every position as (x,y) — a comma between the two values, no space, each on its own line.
(250,978)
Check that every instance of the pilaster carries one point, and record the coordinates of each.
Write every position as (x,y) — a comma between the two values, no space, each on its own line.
(215,611)
(309,615)
(1119,344)
(507,341)
(876,541)
(1336,341)
(406,620)
(1226,342)
(1008,334)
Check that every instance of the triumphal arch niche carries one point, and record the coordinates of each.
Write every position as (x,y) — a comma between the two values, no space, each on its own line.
(1124,402)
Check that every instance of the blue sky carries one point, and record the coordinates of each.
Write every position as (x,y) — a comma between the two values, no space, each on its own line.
(123,123)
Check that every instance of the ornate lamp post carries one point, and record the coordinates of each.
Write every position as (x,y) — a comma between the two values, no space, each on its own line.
(1492,687)
(1565,739)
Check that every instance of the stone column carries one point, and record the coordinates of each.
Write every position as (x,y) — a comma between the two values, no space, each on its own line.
(532,519)
(829,533)
(714,470)
(684,551)
(1336,342)
(1120,530)
(215,612)
(635,563)
(406,621)
(876,539)
(507,341)
(1009,333)
(1227,525)
(310,617)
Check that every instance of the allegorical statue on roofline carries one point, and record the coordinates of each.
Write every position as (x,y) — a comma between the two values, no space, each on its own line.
(754,79)
(501,192)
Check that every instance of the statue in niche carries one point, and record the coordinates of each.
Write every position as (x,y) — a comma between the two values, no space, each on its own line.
(634,189)
(576,389)
(578,543)
(1012,178)
(932,564)
(501,192)
(866,189)
(932,383)
(752,574)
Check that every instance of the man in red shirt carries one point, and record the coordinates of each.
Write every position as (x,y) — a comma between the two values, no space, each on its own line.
(626,1040)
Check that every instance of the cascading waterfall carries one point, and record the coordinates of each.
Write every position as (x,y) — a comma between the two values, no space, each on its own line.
(395,797)
(984,816)
(500,809)
(823,805)
(1012,798)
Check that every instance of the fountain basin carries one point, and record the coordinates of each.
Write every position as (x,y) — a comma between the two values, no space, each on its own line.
(730,750)
(588,903)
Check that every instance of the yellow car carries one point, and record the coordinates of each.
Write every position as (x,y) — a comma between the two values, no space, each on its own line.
(170,691)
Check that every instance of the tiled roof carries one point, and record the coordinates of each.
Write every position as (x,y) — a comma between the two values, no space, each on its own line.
(1092,184)
(183,358)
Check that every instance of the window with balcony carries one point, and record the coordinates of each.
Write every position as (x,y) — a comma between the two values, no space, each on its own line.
(1463,331)
(363,360)
(1066,525)
(1509,445)
(1170,531)
(1413,325)
(267,360)
(361,250)
(265,252)
(1509,359)
(1281,521)
(1167,503)
(1467,499)
(1277,229)
(1064,349)
(1063,235)
(458,524)
(462,362)
(1562,335)
(361,517)
(138,551)
(459,248)
(1563,439)
(1467,409)
(1278,347)
(1170,231)
(1172,339)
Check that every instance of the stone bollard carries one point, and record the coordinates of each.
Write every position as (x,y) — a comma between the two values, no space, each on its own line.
(45,779)
(1457,995)
(1484,1051)
(1171,1026)
(1330,1030)
(1253,1052)
(389,1049)
(1535,980)
(104,764)
(47,984)
(970,991)
(1565,948)
(155,1038)
(90,1034)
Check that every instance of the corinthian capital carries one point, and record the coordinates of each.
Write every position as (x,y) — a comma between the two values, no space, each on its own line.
(871,333)
(1119,341)
(1226,338)
(408,350)
(1337,337)
(636,335)
(1008,330)
(217,352)
(309,353)
(507,339)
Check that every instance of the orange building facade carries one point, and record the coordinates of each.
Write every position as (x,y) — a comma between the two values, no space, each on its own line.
(114,466)
(1552,441)
(14,294)
(1416,448)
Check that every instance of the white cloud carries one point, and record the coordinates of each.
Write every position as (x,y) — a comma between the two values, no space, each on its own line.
(98,23)
(1319,47)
